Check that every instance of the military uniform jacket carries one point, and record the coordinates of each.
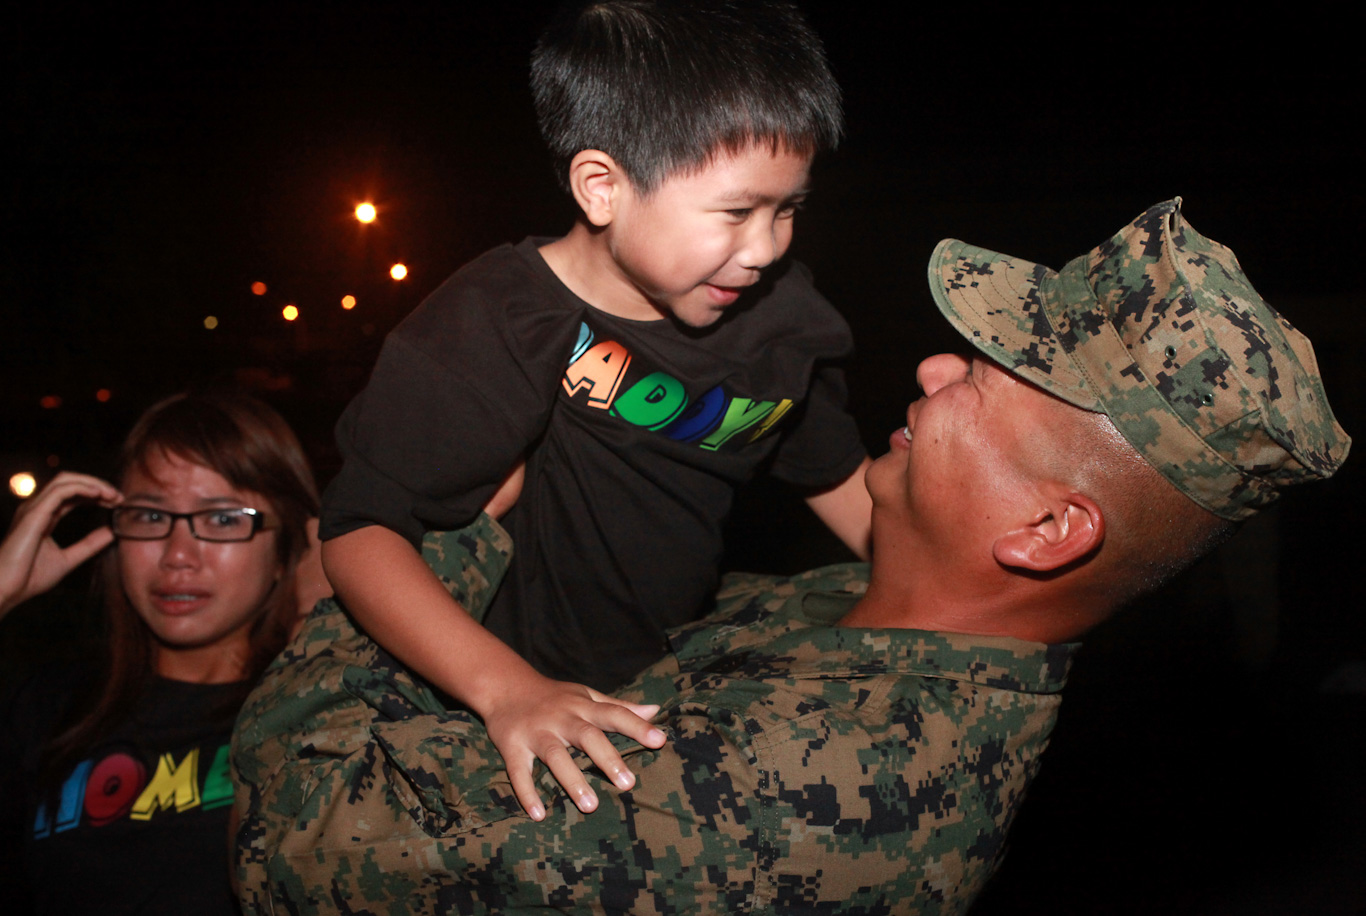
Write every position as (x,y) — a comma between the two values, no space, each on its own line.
(809,768)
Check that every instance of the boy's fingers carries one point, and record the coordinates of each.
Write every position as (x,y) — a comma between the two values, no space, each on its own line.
(605,756)
(525,790)
(569,776)
(619,717)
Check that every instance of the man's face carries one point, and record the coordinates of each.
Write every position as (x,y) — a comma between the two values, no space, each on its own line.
(691,247)
(963,468)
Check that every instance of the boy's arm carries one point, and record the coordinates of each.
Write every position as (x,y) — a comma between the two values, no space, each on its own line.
(847,509)
(384,582)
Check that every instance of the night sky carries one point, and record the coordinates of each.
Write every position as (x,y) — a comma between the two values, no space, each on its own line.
(163,161)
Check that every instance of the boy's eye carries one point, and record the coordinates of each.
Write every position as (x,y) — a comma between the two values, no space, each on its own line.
(742,213)
(790,209)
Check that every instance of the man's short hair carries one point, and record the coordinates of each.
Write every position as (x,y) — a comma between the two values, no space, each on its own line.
(662,85)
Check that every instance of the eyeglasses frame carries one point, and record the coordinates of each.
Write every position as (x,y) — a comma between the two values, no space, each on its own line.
(258,523)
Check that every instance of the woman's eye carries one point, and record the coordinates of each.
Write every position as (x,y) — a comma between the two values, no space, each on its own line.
(225,521)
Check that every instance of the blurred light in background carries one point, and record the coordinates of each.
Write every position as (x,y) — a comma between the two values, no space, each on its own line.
(290,312)
(50,401)
(348,302)
(258,288)
(103,395)
(398,271)
(22,485)
(365,212)
(210,322)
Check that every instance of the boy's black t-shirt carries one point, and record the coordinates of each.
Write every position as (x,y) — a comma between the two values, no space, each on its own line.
(637,434)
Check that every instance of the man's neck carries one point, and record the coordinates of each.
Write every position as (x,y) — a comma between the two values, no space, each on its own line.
(980,603)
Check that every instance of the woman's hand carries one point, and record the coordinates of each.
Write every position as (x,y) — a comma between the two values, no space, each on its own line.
(30,560)
(543,720)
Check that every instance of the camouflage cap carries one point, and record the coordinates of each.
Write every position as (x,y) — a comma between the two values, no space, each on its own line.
(1159,329)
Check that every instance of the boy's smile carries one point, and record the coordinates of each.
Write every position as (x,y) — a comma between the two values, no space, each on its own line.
(691,247)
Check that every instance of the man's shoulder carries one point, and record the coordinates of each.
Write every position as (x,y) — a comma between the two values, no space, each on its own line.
(752,609)
(739,588)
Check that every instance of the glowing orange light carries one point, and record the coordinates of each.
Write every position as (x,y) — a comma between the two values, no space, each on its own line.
(50,401)
(210,322)
(398,271)
(290,312)
(23,484)
(103,395)
(365,212)
(348,302)
(258,288)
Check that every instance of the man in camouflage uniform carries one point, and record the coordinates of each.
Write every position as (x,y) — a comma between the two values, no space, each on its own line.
(848,740)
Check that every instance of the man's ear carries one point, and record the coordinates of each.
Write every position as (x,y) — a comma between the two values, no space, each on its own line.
(1069,529)
(597,183)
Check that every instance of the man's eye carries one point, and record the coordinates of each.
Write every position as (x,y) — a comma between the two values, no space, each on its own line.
(790,210)
(143,516)
(742,213)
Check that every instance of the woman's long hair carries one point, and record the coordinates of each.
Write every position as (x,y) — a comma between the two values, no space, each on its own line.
(250,446)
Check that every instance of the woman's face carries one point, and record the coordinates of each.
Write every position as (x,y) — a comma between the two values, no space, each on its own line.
(199,598)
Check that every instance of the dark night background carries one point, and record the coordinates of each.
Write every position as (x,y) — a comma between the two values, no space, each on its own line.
(1208,759)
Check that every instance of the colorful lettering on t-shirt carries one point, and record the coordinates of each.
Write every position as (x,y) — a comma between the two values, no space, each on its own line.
(115,785)
(717,420)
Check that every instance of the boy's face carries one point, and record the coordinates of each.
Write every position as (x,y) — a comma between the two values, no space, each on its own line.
(691,247)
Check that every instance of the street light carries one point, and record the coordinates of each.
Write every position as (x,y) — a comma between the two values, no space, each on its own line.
(398,271)
(365,212)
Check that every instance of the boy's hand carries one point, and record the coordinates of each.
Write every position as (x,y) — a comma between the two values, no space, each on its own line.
(545,718)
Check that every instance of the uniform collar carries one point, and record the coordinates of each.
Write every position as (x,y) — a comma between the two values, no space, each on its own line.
(797,639)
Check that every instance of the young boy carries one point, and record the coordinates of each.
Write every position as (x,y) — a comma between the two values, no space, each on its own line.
(643,365)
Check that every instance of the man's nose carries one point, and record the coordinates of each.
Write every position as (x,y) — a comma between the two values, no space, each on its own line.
(940,370)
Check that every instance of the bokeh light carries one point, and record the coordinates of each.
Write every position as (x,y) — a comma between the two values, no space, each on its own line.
(103,395)
(210,322)
(398,271)
(258,288)
(365,212)
(23,484)
(50,401)
(348,302)
(290,312)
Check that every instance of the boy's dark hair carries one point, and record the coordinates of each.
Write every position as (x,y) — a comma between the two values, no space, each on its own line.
(661,85)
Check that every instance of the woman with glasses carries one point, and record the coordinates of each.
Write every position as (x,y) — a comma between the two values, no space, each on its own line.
(123,762)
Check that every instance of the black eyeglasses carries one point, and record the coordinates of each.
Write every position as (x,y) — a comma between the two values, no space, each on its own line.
(143,523)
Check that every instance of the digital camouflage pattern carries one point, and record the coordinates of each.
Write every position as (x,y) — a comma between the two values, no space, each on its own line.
(1159,329)
(809,768)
